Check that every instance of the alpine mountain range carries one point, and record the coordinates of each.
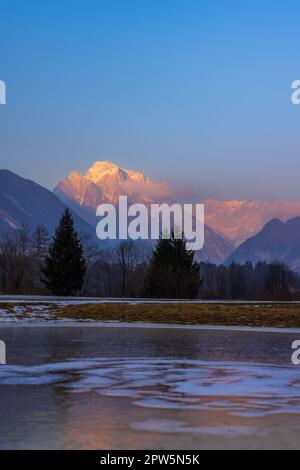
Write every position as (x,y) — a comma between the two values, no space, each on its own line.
(235,231)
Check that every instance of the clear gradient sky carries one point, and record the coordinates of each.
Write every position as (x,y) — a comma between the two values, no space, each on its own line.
(190,90)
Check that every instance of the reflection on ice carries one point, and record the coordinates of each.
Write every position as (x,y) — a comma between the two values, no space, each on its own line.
(174,426)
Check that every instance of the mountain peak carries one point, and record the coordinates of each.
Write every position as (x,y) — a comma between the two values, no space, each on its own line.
(273,224)
(104,169)
(104,182)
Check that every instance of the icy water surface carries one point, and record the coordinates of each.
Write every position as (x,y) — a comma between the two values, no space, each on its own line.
(127,387)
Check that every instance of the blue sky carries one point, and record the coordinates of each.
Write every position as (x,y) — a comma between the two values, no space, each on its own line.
(191,91)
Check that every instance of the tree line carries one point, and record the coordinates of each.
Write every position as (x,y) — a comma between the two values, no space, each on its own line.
(262,281)
(31,262)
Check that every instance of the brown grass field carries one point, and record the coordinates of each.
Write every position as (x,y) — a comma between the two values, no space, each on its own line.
(281,315)
(275,315)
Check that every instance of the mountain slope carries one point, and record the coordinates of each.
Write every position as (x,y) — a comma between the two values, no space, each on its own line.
(24,202)
(276,241)
(104,182)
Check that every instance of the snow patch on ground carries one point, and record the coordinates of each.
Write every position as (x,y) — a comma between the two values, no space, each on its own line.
(20,314)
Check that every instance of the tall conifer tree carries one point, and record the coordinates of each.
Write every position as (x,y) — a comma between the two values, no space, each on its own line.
(64,267)
(172,271)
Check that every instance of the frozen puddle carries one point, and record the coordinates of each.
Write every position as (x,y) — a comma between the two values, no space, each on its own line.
(242,389)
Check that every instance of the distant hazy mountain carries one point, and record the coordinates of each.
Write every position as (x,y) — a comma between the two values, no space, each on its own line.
(276,241)
(104,182)
(239,220)
(24,202)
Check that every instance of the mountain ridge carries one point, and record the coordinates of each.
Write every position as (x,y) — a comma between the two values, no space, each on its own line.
(277,241)
(23,201)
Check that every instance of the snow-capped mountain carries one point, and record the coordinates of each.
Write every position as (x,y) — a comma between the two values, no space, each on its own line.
(239,220)
(104,182)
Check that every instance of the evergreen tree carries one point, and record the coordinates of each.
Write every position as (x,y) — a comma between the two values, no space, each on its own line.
(172,272)
(64,268)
